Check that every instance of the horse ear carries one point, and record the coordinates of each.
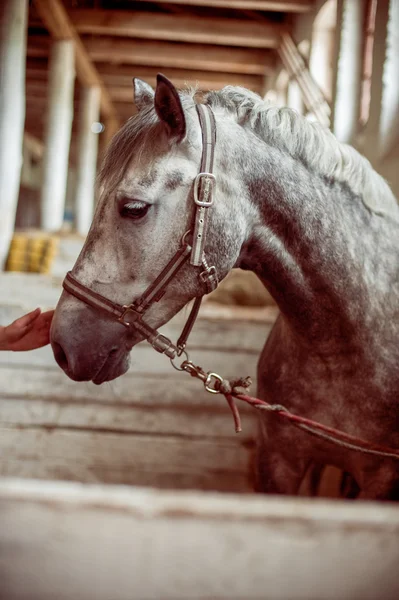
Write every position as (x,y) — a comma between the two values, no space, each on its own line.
(169,108)
(143,94)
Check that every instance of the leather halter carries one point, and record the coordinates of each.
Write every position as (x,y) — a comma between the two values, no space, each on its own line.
(131,315)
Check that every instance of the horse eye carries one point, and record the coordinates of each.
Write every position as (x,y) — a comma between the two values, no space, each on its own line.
(134,209)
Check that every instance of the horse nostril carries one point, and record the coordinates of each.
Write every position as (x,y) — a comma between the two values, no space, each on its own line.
(60,356)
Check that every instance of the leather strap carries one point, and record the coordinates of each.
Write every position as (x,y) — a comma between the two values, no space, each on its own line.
(182,341)
(204,183)
(126,315)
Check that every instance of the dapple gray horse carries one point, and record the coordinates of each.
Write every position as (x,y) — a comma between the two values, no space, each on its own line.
(309,216)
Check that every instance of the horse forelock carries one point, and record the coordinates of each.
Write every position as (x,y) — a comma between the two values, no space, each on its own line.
(143,137)
(308,142)
(139,137)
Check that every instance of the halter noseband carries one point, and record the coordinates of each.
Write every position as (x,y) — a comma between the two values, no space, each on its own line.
(131,315)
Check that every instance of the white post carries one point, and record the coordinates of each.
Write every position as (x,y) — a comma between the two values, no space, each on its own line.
(389,120)
(58,134)
(347,94)
(322,47)
(89,112)
(294,97)
(13,24)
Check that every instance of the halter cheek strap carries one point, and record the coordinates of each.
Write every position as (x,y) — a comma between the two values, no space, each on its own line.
(131,315)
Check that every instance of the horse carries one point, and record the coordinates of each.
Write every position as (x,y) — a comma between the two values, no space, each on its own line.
(308,215)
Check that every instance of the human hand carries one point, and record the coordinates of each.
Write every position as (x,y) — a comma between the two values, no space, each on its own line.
(28,332)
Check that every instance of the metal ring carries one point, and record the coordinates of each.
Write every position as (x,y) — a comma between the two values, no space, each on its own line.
(208,381)
(186,360)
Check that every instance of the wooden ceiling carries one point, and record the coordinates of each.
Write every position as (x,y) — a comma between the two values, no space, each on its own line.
(203,43)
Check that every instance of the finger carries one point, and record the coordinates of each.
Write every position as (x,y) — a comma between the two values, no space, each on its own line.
(26,320)
(15,334)
(48,315)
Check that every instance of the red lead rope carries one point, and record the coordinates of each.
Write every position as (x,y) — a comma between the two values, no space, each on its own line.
(232,390)
(329,434)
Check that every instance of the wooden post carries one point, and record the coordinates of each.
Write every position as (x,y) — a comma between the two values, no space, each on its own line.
(349,70)
(13,23)
(389,122)
(58,134)
(371,137)
(89,112)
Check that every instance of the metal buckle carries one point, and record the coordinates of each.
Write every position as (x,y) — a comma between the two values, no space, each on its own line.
(207,274)
(206,191)
(129,308)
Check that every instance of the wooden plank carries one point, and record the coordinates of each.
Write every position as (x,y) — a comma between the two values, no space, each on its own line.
(123,94)
(121,75)
(58,23)
(167,54)
(189,420)
(192,29)
(163,55)
(38,47)
(118,79)
(296,6)
(69,541)
(162,461)
(128,390)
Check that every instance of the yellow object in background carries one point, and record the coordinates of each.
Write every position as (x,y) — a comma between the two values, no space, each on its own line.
(32,251)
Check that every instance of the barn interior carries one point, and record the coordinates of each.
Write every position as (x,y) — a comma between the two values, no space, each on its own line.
(66,69)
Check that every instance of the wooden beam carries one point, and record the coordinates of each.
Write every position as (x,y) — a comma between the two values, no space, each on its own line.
(177,28)
(59,25)
(120,76)
(191,56)
(124,94)
(38,47)
(167,55)
(296,6)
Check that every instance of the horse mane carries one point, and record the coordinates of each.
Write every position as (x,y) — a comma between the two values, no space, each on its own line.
(309,143)
(306,141)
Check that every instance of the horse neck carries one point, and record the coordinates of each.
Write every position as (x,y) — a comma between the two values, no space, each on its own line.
(307,245)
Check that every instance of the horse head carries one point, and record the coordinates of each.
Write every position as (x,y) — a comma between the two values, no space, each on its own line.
(145,208)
